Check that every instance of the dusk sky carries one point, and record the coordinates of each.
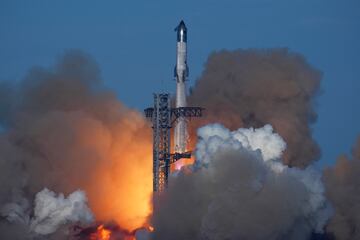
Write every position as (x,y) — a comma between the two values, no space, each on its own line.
(134,44)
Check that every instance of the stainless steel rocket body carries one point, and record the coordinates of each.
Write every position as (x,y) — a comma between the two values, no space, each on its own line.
(181,73)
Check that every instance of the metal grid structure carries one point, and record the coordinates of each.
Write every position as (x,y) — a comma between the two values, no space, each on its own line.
(162,117)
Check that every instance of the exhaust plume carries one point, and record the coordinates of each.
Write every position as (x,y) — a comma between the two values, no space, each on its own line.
(251,88)
(63,130)
(240,189)
(342,188)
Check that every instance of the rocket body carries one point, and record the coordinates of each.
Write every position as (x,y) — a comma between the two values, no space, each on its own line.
(181,73)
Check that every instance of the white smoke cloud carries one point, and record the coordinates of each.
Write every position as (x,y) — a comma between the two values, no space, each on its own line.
(51,211)
(215,136)
(239,189)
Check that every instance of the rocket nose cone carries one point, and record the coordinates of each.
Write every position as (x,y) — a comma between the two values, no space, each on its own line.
(181,26)
(181,32)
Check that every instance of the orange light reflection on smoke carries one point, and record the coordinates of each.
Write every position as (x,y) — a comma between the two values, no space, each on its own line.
(151,228)
(120,189)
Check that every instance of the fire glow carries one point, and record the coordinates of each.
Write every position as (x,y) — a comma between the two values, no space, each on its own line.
(119,187)
(101,233)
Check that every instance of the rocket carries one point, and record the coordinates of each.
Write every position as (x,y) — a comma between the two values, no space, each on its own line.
(181,72)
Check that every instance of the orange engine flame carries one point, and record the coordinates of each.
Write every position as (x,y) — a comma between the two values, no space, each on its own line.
(101,234)
(184,162)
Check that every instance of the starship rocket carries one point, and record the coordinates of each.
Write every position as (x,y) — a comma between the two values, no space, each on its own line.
(181,73)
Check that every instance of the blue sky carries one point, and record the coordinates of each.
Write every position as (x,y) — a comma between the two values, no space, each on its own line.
(134,44)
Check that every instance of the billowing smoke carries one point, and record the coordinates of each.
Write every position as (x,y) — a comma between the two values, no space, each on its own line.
(50,212)
(63,130)
(251,88)
(343,190)
(240,189)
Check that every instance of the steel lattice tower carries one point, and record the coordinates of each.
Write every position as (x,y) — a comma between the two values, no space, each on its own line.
(161,140)
(162,117)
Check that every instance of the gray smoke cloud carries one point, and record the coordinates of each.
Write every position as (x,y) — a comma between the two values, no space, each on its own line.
(240,189)
(251,88)
(343,190)
(63,130)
